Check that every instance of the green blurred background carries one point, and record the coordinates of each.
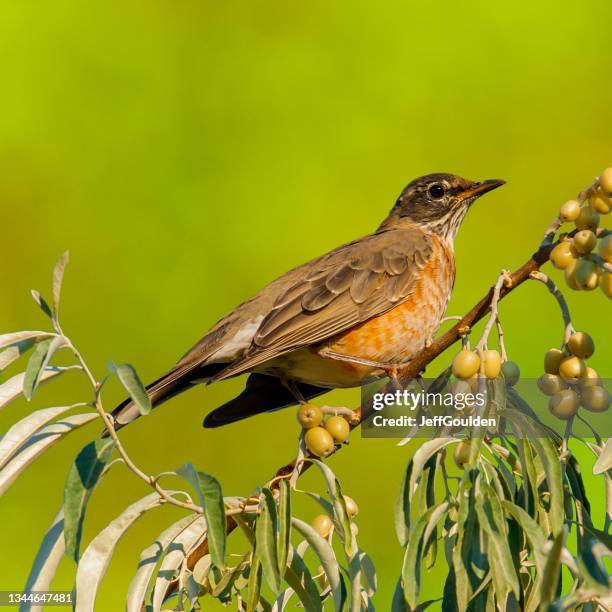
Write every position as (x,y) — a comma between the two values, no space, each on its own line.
(188,152)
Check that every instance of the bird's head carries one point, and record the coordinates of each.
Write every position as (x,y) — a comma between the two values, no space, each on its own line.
(438,202)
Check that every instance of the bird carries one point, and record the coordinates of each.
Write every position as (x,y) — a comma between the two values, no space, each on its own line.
(341,320)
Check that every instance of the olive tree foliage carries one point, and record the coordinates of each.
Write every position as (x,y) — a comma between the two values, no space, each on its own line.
(513,527)
(285,560)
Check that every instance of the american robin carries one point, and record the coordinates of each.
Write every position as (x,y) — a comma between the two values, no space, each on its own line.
(340,320)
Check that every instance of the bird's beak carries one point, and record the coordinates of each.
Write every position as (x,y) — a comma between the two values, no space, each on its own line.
(478,189)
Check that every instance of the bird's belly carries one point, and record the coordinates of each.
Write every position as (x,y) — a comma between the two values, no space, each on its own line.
(308,366)
(399,334)
(391,338)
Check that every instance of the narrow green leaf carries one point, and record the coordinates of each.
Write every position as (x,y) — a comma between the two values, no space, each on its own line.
(47,560)
(14,439)
(354,572)
(554,479)
(210,494)
(398,603)
(174,558)
(342,522)
(369,573)
(7,340)
(300,580)
(327,507)
(552,572)
(469,561)
(265,534)
(532,530)
(402,508)
(604,461)
(42,303)
(450,592)
(254,585)
(592,566)
(149,559)
(549,456)
(325,553)
(58,277)
(34,368)
(14,351)
(133,385)
(37,444)
(422,456)
(97,555)
(419,533)
(13,387)
(82,478)
(284,525)
(493,522)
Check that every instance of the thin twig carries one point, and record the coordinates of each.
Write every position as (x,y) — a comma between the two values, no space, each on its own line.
(567,320)
(501,280)
(152,481)
(500,337)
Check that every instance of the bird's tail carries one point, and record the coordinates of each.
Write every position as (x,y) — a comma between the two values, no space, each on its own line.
(261,394)
(177,380)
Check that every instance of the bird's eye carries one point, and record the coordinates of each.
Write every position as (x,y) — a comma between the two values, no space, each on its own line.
(436,191)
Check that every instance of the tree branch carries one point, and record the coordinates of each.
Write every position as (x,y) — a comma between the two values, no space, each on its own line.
(416,366)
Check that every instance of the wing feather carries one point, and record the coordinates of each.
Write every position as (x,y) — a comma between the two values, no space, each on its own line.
(346,287)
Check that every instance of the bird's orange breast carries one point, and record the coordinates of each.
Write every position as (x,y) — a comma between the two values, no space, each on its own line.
(391,338)
(400,333)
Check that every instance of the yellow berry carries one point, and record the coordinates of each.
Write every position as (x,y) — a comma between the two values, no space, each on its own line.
(322,524)
(462,454)
(549,384)
(581,345)
(570,275)
(605,180)
(319,441)
(338,427)
(351,506)
(465,364)
(600,202)
(511,373)
(584,241)
(552,360)
(605,248)
(595,399)
(570,211)
(309,416)
(605,283)
(564,404)
(492,364)
(590,378)
(586,274)
(572,367)
(562,255)
(588,219)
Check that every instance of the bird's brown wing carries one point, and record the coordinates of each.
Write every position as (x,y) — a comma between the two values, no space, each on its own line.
(338,291)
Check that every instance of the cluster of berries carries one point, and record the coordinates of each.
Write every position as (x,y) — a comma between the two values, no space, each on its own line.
(569,382)
(583,268)
(321,436)
(467,365)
